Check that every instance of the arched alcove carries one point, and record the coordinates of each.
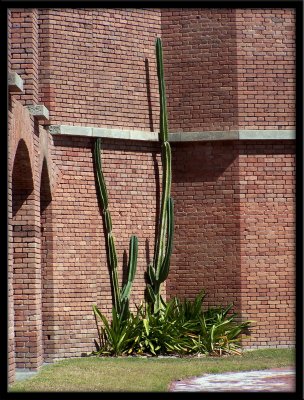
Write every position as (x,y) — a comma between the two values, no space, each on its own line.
(46,263)
(23,259)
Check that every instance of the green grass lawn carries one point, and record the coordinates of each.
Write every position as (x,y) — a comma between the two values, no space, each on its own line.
(134,374)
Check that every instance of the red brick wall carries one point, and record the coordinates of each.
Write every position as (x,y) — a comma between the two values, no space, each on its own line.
(227,69)
(24,51)
(267,232)
(235,232)
(80,273)
(266,68)
(24,241)
(132,85)
(98,66)
(211,200)
(46,86)
(24,254)
(205,188)
(47,265)
(200,68)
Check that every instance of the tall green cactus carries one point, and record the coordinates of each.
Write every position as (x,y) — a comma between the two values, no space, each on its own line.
(159,270)
(120,296)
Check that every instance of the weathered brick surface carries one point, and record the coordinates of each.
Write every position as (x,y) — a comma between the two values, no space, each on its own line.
(200,68)
(98,66)
(24,242)
(229,68)
(80,274)
(234,201)
(207,236)
(235,232)
(266,68)
(47,264)
(24,51)
(267,234)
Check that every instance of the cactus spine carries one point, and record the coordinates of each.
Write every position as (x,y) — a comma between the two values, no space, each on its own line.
(159,270)
(120,296)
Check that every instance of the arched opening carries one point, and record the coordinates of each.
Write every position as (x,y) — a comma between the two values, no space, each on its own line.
(23,216)
(46,264)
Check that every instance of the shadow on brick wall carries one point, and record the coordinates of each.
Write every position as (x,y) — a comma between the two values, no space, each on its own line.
(206,253)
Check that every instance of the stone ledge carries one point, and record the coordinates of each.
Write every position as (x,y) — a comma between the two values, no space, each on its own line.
(15,82)
(39,111)
(102,132)
(270,134)
(203,136)
(125,134)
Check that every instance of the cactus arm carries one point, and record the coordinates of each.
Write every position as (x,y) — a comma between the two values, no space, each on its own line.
(108,220)
(159,251)
(103,196)
(113,267)
(126,291)
(133,251)
(120,297)
(163,135)
(100,178)
(170,224)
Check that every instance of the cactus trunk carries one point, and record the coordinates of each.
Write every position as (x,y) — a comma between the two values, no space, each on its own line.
(158,272)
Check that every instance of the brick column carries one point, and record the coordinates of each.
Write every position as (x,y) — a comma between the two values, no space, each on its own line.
(23,41)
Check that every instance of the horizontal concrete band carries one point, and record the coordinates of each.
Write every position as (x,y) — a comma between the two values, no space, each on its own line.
(174,136)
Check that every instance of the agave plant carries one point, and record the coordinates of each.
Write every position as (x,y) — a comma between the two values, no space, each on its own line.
(118,336)
(120,296)
(158,271)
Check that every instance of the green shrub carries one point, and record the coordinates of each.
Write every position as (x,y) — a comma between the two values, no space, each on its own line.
(181,328)
(161,332)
